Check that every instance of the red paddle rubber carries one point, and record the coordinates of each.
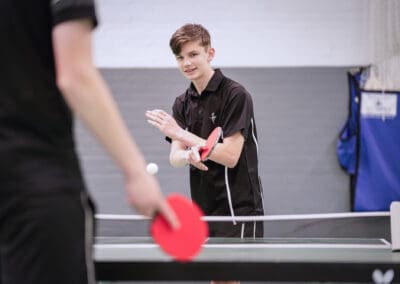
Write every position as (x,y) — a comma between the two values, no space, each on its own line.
(184,243)
(211,142)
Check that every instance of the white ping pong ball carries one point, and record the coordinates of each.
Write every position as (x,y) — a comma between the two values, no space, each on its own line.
(152,168)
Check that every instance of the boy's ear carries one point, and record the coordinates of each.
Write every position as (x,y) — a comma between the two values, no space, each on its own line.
(211,53)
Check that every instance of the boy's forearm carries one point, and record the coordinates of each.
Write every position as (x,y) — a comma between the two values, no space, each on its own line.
(189,139)
(178,158)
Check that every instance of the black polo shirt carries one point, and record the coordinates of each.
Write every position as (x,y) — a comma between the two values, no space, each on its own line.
(37,151)
(227,104)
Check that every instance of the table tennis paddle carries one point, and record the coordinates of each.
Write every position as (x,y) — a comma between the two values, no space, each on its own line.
(184,243)
(212,140)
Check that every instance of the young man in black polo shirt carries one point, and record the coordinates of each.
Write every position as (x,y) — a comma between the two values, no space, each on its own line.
(45,214)
(228,183)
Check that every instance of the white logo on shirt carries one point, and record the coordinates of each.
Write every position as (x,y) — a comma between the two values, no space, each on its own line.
(213,117)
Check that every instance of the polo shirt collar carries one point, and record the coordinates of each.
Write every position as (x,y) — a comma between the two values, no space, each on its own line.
(212,85)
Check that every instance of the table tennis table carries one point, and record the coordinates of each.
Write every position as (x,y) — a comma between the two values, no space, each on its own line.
(266,259)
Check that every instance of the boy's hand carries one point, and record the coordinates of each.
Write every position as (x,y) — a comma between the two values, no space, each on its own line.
(192,157)
(164,122)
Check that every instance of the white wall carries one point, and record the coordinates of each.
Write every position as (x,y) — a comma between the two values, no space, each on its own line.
(245,33)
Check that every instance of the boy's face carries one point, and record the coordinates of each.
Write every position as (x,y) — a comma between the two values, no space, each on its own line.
(194,60)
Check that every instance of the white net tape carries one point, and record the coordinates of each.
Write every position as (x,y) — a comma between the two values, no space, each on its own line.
(343,215)
(384,73)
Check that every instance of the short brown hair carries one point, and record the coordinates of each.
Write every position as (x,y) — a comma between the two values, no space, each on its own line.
(187,33)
